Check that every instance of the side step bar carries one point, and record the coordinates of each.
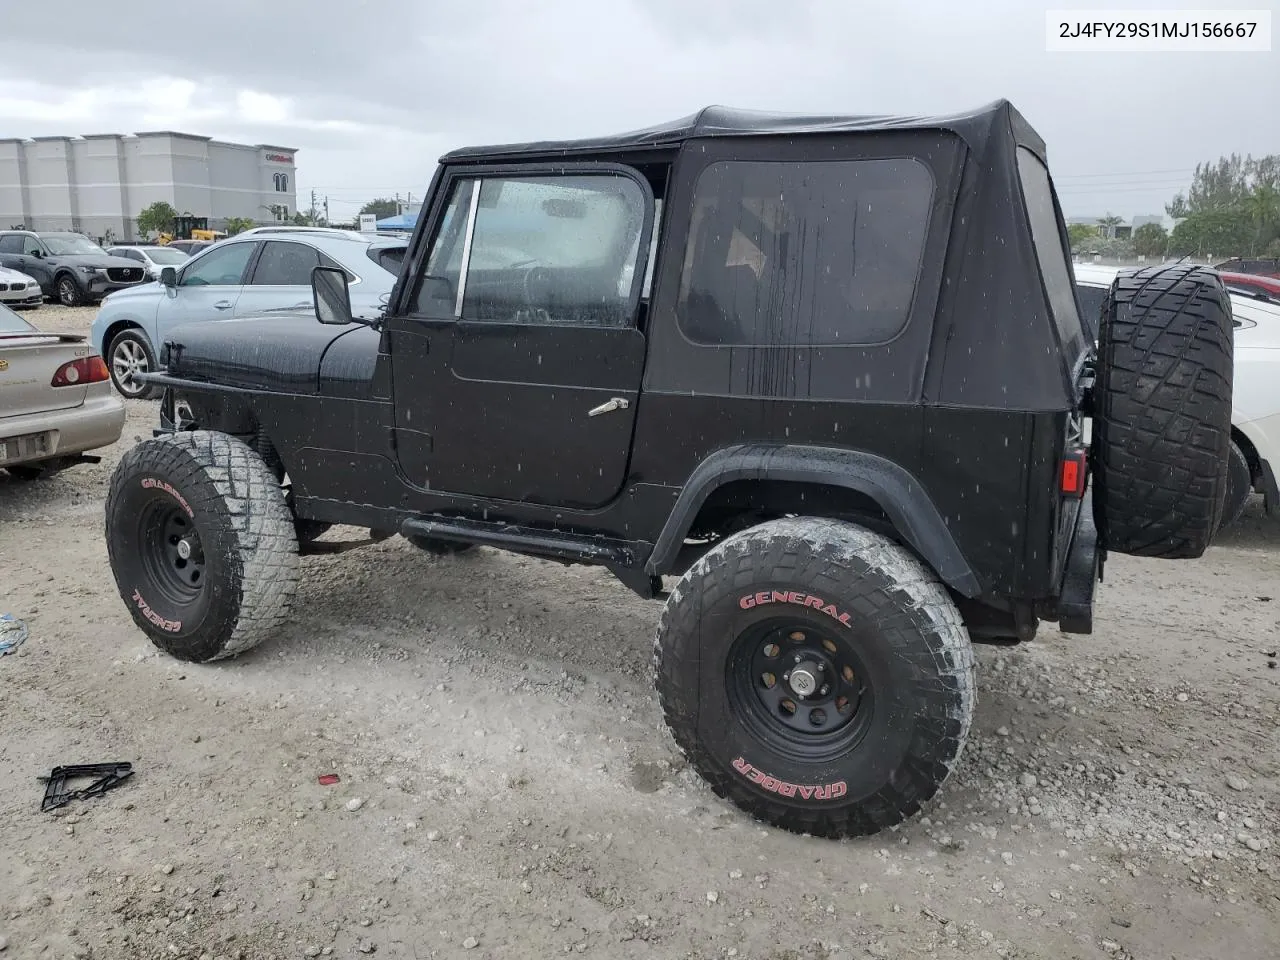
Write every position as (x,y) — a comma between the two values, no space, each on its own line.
(553,544)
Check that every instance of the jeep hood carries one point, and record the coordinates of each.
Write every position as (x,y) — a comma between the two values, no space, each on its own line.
(280,354)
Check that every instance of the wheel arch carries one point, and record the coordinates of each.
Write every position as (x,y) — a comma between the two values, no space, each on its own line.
(854,476)
(116,327)
(1241,440)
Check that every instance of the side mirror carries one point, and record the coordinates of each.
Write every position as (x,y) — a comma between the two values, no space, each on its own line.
(169,276)
(37,253)
(332,298)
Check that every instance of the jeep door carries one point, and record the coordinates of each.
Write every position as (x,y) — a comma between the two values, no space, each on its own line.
(516,356)
(208,286)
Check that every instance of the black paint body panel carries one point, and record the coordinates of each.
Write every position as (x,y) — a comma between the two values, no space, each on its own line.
(953,431)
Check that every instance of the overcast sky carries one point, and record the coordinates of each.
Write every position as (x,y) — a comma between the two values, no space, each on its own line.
(373,91)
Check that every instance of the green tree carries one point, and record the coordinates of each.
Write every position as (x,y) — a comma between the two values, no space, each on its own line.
(1080,234)
(238,225)
(1150,240)
(380,208)
(157,218)
(1222,233)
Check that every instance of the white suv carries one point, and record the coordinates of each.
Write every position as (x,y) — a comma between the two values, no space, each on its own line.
(1255,402)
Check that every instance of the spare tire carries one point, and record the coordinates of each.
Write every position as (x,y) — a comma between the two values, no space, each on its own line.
(1162,412)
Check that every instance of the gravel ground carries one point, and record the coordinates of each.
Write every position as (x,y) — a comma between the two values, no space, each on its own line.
(507,788)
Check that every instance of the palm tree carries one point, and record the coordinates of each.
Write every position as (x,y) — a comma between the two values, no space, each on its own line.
(1109,224)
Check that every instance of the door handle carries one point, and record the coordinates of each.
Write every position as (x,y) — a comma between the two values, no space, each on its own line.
(617,403)
(222,305)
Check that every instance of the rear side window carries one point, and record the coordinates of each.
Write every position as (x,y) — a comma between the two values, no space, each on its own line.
(1051,254)
(11,244)
(388,258)
(283,263)
(804,253)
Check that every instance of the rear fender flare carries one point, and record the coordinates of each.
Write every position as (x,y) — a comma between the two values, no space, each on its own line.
(896,491)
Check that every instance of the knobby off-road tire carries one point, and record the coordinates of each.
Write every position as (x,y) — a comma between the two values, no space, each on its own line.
(439,548)
(869,621)
(1163,417)
(230,587)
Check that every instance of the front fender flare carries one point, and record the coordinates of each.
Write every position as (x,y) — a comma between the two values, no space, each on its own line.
(895,490)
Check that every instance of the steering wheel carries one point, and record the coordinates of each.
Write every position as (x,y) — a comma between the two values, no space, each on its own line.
(537,287)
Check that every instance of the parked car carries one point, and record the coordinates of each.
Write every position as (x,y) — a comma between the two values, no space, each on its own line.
(1258,266)
(191,247)
(153,258)
(1255,412)
(68,266)
(1254,285)
(19,290)
(56,402)
(846,416)
(245,275)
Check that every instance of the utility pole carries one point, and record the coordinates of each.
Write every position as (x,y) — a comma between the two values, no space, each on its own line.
(311,213)
(326,211)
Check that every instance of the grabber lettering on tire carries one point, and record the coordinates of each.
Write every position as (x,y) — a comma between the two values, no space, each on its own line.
(817,675)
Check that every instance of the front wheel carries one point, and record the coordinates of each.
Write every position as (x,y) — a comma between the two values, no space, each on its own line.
(128,356)
(817,675)
(201,544)
(69,291)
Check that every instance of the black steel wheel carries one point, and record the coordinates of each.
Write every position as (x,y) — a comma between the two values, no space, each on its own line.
(171,552)
(201,544)
(816,674)
(68,291)
(803,688)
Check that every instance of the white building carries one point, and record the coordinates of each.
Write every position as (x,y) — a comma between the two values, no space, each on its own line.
(97,185)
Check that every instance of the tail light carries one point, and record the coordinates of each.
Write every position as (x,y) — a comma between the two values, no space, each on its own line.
(79,372)
(1074,472)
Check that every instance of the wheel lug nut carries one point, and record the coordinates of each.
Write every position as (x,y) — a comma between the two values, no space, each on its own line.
(822,666)
(797,658)
(825,690)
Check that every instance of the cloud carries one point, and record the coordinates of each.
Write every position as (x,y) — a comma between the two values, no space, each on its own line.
(372,91)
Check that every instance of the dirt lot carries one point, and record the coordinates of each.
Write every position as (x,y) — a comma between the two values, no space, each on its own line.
(519,797)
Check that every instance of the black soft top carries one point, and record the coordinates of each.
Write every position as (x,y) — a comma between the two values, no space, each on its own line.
(975,127)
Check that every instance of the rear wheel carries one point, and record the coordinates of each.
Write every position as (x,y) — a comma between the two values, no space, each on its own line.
(129,355)
(817,675)
(201,544)
(1163,412)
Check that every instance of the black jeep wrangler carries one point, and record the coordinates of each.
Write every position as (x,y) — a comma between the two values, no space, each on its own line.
(823,378)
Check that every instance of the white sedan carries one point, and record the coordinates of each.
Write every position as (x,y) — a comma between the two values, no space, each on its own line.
(1255,401)
(19,290)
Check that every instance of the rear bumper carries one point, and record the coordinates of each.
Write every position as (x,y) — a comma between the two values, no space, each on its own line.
(98,422)
(1081,575)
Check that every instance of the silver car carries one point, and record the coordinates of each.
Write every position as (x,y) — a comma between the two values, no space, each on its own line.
(19,290)
(153,257)
(56,402)
(257,273)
